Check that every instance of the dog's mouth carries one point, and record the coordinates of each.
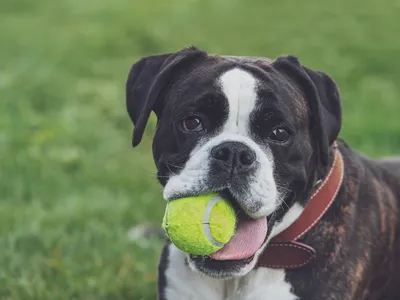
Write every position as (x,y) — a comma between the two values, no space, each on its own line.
(248,238)
(242,250)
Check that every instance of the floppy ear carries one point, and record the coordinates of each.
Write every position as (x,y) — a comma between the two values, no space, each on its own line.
(148,79)
(323,98)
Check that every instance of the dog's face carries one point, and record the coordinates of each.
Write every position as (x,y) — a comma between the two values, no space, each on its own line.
(254,130)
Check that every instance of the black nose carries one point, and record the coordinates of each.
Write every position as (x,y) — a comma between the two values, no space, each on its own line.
(234,156)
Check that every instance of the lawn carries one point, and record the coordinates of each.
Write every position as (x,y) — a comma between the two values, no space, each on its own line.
(71,186)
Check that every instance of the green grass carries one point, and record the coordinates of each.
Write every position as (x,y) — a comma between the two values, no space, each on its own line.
(71,187)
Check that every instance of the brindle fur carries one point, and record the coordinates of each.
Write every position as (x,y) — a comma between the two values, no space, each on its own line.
(358,239)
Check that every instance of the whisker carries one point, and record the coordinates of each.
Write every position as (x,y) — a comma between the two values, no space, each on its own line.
(148,172)
(283,201)
(153,173)
(163,176)
(175,166)
(283,188)
(170,169)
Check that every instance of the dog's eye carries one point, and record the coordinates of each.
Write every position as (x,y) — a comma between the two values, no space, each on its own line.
(279,135)
(192,123)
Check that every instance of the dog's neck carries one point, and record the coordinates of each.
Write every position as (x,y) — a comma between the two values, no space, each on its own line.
(284,250)
(294,205)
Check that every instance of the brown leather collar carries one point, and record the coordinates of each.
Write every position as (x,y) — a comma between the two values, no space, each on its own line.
(283,251)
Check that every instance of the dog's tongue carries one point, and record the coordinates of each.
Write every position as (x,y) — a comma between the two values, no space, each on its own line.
(249,237)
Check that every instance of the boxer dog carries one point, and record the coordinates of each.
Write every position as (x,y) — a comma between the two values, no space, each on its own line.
(264,134)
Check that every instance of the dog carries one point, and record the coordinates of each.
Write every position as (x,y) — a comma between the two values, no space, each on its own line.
(264,134)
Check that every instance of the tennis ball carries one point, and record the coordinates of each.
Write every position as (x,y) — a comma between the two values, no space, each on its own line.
(199,225)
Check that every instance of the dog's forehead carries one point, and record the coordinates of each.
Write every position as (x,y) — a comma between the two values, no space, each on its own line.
(251,59)
(223,62)
(230,72)
(292,89)
(217,64)
(211,70)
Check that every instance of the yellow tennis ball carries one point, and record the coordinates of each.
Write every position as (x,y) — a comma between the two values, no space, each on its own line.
(199,225)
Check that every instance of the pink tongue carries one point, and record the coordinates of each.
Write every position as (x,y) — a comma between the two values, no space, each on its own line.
(249,237)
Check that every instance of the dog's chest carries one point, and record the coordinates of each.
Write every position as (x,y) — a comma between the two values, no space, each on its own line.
(261,284)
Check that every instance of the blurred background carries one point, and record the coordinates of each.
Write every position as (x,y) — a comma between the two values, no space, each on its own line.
(71,186)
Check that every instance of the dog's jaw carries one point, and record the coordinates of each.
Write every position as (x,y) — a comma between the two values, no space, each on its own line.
(243,269)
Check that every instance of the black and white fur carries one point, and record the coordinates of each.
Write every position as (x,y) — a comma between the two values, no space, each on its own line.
(240,104)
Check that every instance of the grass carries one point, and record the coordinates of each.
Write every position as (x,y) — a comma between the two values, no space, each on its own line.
(71,187)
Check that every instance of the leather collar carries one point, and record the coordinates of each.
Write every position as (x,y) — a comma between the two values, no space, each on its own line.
(284,251)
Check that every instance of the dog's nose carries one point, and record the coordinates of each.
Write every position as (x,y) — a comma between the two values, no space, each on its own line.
(234,156)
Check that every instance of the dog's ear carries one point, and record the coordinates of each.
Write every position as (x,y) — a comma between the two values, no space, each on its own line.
(147,81)
(323,98)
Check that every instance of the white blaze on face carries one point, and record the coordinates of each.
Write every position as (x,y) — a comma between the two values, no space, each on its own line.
(260,196)
(239,88)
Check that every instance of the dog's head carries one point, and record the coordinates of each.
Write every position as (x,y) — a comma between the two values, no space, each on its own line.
(257,131)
